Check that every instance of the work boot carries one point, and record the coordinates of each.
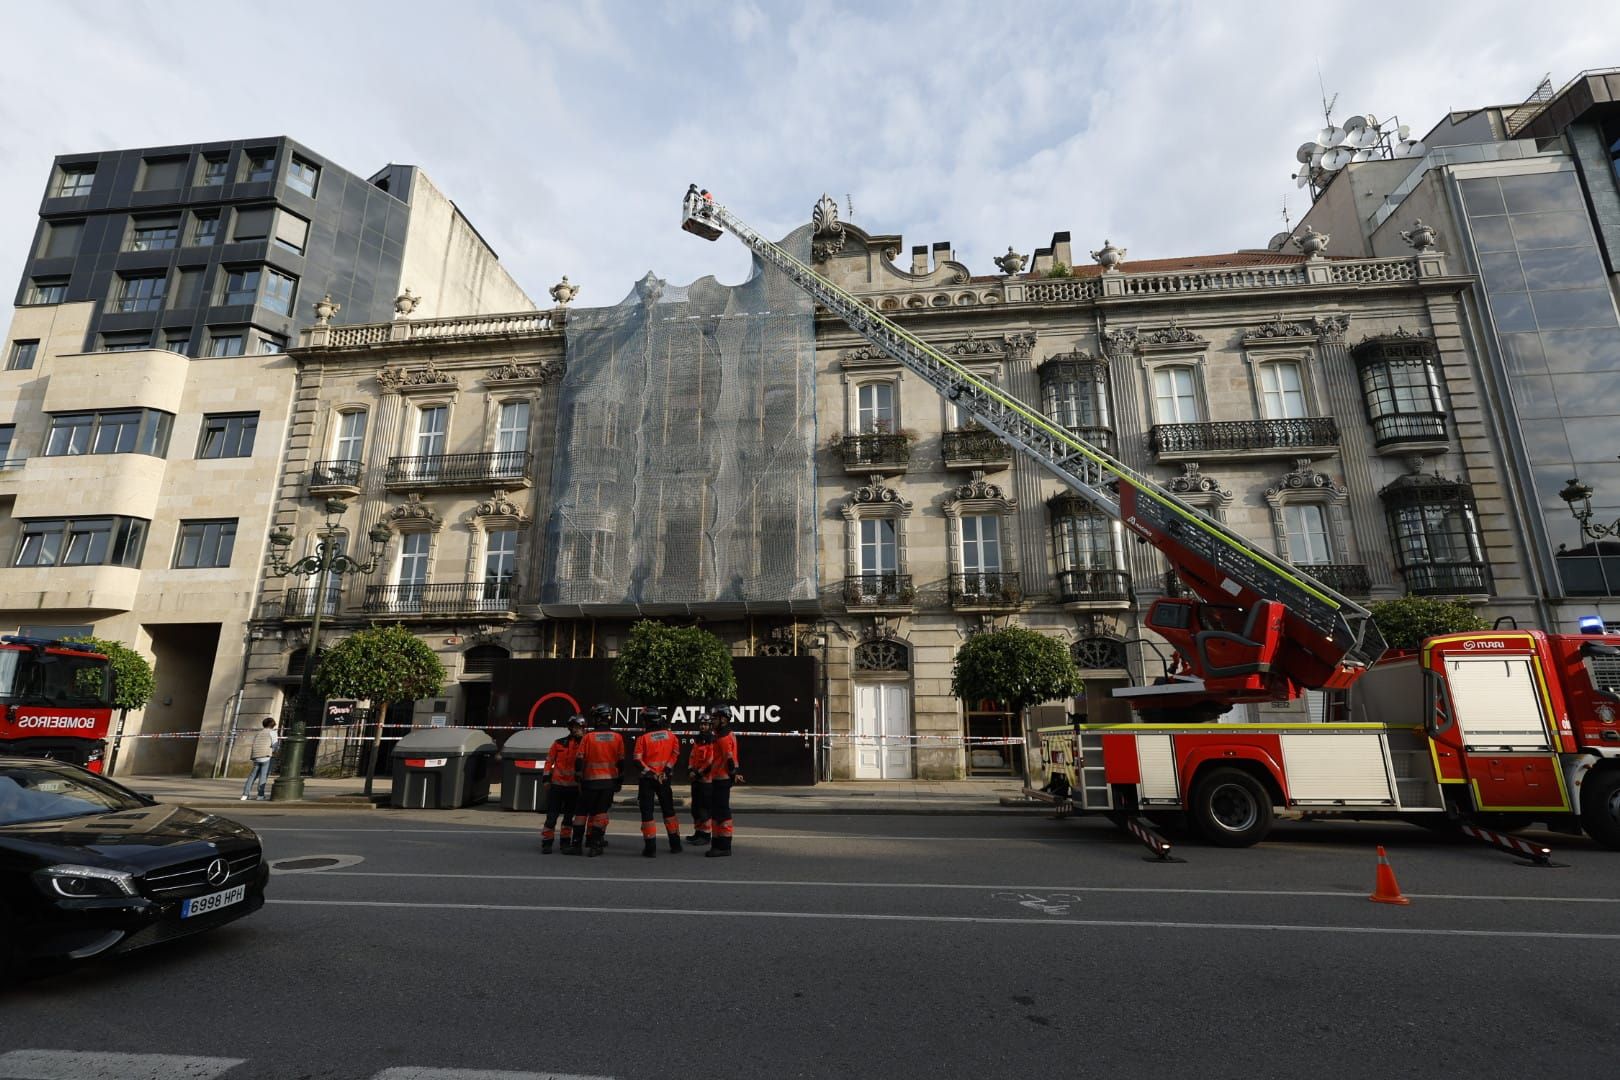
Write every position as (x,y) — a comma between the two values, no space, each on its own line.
(698,839)
(592,850)
(545,846)
(674,843)
(649,848)
(717,852)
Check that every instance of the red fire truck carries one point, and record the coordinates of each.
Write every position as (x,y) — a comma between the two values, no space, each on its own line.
(55,700)
(1491,730)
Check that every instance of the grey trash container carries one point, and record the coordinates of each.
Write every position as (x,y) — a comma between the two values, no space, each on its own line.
(442,768)
(523,767)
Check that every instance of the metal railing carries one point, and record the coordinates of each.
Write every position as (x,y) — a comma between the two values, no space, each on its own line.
(984,588)
(455,598)
(1350,579)
(299,603)
(506,324)
(449,469)
(1081,586)
(875,589)
(1239,435)
(1408,427)
(340,473)
(973,445)
(876,450)
(1446,579)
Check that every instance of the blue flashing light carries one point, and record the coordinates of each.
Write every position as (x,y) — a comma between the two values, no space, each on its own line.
(1591,624)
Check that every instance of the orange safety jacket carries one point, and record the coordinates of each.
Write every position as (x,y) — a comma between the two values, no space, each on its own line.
(560,761)
(602,751)
(656,751)
(723,759)
(702,753)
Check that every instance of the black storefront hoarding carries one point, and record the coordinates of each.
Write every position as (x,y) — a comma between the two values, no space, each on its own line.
(773,715)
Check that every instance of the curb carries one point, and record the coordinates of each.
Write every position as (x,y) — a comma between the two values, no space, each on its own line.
(865,810)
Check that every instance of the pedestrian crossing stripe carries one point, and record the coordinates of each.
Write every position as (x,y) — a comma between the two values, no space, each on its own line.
(98,1065)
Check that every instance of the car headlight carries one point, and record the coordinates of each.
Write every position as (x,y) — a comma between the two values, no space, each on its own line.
(84,882)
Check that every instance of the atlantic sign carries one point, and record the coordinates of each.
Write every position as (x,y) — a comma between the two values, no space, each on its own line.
(775,707)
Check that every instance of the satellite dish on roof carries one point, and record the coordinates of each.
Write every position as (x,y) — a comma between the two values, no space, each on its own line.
(1368,137)
(1362,155)
(1330,136)
(1301,179)
(1278,242)
(1402,131)
(1409,148)
(1355,123)
(1303,154)
(1337,158)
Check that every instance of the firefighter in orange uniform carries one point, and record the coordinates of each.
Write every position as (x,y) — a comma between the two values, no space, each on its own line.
(722,771)
(697,763)
(597,762)
(562,786)
(656,750)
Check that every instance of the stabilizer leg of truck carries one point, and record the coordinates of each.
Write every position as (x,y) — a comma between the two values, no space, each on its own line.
(1156,844)
(1532,853)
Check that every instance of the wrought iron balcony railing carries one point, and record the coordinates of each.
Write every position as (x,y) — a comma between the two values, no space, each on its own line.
(299,603)
(451,470)
(1348,579)
(974,446)
(1100,437)
(984,589)
(339,474)
(1238,436)
(1408,427)
(1093,586)
(869,590)
(451,598)
(876,451)
(1447,579)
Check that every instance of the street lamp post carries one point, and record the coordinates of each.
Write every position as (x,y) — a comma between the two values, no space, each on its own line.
(328,562)
(1579,498)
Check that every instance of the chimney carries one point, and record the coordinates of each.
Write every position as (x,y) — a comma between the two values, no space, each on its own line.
(1060,249)
(919,259)
(942,253)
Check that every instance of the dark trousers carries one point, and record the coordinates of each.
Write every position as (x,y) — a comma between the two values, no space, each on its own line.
(561,802)
(720,811)
(595,801)
(657,788)
(702,797)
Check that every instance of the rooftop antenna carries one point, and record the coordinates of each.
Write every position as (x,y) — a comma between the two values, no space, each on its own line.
(849,205)
(1327,105)
(1287,224)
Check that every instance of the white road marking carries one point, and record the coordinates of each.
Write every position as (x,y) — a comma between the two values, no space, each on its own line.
(753,834)
(417,1072)
(1141,924)
(91,1065)
(951,885)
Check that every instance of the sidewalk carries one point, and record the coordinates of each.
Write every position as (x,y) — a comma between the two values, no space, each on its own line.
(835,797)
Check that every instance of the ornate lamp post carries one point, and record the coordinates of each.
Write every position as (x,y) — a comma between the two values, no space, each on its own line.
(1579,498)
(328,563)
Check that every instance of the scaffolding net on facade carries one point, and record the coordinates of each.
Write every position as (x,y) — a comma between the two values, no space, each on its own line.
(686,465)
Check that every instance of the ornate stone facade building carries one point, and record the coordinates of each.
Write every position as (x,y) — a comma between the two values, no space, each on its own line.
(1330,408)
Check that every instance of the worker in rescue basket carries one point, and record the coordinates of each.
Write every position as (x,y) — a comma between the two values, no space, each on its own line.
(655,751)
(697,762)
(723,771)
(598,761)
(562,786)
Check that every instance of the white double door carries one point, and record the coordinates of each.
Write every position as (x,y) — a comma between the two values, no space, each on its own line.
(883,730)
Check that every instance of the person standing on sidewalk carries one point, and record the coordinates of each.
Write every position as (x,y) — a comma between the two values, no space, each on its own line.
(262,749)
(724,769)
(656,750)
(697,764)
(602,755)
(562,786)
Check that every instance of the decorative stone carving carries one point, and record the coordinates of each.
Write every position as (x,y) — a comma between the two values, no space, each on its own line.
(1120,340)
(1331,327)
(1312,243)
(973,345)
(1277,328)
(1303,478)
(325,308)
(413,512)
(564,292)
(1398,332)
(397,378)
(1170,335)
(650,289)
(876,494)
(498,505)
(1010,263)
(862,354)
(1019,346)
(406,303)
(980,488)
(1193,481)
(879,629)
(1420,237)
(1109,257)
(546,372)
(828,238)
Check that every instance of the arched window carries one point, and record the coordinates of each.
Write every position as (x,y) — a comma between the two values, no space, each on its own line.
(1400,385)
(1074,393)
(480,659)
(885,654)
(1435,528)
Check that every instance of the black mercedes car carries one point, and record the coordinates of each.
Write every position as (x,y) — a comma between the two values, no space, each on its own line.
(89,867)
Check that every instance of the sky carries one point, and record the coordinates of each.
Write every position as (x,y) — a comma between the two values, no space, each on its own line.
(567,132)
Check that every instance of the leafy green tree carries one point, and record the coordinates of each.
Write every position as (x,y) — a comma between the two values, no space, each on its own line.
(1016,667)
(1407,620)
(384,664)
(674,665)
(133,681)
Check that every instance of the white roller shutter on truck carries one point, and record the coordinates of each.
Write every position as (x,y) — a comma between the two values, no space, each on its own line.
(1496,702)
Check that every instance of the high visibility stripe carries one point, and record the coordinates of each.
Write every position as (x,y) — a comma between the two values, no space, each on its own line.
(673,824)
(649,830)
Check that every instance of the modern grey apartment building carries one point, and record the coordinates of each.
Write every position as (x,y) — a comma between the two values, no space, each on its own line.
(1526,197)
(220,249)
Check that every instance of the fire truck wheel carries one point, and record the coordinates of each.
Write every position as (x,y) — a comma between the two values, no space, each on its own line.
(1600,807)
(1230,808)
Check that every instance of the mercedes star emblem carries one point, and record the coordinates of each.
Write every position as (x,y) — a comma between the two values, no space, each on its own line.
(218,871)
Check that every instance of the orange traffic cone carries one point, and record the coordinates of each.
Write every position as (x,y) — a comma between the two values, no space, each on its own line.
(1386,890)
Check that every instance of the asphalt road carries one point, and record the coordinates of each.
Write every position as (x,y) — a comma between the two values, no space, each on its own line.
(859,946)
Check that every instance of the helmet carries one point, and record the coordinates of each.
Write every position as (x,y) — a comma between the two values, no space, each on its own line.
(575,721)
(656,716)
(719,713)
(602,715)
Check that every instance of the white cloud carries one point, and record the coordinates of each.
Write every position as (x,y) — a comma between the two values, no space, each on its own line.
(567,132)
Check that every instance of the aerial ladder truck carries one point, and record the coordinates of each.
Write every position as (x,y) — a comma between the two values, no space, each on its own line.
(1258,629)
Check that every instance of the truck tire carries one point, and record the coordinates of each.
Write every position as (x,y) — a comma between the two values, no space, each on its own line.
(1230,808)
(1600,807)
